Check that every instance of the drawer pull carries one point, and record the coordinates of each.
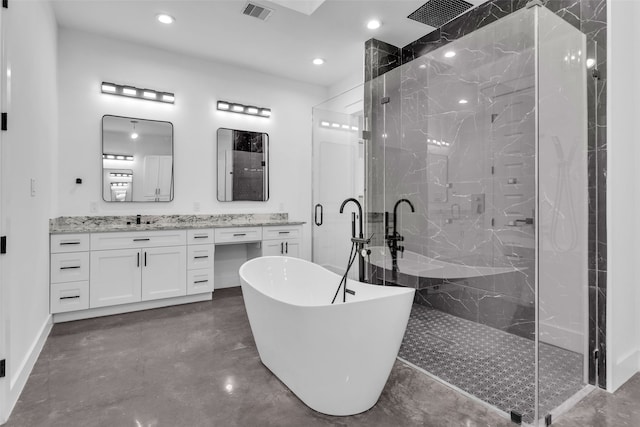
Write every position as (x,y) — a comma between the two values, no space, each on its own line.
(200,257)
(201,281)
(141,240)
(73,297)
(284,232)
(201,237)
(69,243)
(69,268)
(239,234)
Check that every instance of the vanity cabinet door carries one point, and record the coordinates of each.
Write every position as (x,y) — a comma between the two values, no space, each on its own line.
(115,277)
(164,272)
(281,248)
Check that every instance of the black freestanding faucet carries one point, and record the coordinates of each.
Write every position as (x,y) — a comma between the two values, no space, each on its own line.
(359,241)
(394,237)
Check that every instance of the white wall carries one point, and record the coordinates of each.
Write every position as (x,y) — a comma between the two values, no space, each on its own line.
(85,60)
(28,151)
(623,296)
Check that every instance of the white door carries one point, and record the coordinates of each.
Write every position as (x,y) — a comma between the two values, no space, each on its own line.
(115,277)
(164,272)
(338,173)
(150,184)
(4,293)
(165,177)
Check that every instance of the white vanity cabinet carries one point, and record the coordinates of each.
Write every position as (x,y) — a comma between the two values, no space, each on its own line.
(281,240)
(69,272)
(109,272)
(200,257)
(146,266)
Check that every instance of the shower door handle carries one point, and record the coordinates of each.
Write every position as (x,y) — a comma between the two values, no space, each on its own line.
(315,215)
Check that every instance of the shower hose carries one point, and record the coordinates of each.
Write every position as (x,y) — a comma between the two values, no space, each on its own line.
(343,282)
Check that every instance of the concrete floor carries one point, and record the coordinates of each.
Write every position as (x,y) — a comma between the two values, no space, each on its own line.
(197,365)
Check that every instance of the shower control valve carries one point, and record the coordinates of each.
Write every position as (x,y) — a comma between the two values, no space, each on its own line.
(365,252)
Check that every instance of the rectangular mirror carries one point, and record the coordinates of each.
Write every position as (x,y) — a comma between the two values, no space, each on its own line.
(137,160)
(243,165)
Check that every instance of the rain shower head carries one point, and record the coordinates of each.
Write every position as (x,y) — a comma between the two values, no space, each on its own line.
(438,12)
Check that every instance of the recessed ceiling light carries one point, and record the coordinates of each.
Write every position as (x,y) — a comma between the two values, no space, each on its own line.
(134,135)
(422,66)
(449,54)
(165,19)
(463,101)
(374,24)
(318,61)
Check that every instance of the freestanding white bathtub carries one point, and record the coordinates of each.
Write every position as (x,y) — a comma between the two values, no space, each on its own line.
(335,358)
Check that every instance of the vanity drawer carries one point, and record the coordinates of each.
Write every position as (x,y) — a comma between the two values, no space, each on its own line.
(199,281)
(238,235)
(200,237)
(69,267)
(69,296)
(137,239)
(200,256)
(69,243)
(281,232)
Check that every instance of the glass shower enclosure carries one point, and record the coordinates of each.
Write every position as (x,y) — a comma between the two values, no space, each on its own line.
(470,163)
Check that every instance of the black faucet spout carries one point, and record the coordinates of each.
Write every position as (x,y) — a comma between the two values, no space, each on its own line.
(395,213)
(351,199)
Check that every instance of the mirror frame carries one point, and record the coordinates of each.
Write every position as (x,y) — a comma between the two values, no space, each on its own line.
(172,187)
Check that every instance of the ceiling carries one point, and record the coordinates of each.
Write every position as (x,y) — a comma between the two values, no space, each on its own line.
(284,45)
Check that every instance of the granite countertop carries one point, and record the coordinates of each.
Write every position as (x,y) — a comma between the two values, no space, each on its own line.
(101,224)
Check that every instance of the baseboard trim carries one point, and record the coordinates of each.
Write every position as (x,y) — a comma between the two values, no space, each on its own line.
(624,368)
(127,308)
(20,380)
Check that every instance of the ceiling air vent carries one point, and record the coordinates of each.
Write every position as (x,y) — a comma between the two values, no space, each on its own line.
(438,12)
(257,11)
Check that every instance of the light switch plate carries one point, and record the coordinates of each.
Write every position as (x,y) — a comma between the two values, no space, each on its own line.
(33,187)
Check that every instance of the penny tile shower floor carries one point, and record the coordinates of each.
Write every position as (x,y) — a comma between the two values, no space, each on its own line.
(495,366)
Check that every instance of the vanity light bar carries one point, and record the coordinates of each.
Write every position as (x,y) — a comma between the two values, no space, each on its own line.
(438,143)
(134,92)
(117,157)
(120,175)
(334,125)
(119,184)
(251,110)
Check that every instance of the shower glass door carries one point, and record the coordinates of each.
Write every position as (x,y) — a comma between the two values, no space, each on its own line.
(338,174)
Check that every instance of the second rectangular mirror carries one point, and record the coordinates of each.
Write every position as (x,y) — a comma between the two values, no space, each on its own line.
(243,165)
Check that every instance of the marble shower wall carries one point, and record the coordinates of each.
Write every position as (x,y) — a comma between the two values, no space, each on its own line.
(589,16)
